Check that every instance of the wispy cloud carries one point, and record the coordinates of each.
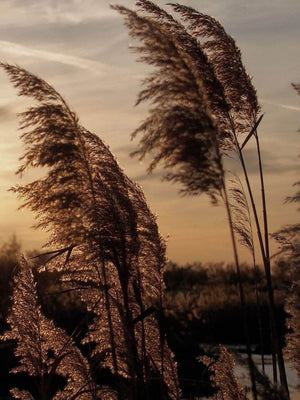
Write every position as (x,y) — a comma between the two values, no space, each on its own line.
(21,50)
(274,162)
(50,11)
(5,112)
(285,106)
(150,177)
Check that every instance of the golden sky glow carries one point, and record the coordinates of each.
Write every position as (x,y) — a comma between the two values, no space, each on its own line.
(81,48)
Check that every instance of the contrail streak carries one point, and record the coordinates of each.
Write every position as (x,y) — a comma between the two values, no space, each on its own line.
(95,66)
(285,106)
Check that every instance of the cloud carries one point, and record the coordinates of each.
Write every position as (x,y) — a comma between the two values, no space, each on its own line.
(273,162)
(53,11)
(285,106)
(125,149)
(150,177)
(6,112)
(78,62)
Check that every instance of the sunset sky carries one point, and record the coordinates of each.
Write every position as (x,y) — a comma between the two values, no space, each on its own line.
(81,47)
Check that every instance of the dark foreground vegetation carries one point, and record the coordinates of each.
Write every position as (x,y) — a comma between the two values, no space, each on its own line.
(201,310)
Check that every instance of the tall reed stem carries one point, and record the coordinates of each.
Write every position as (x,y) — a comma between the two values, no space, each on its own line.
(241,289)
(266,261)
(259,316)
(281,366)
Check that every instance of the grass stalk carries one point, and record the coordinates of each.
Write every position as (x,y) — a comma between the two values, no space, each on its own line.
(276,351)
(259,316)
(241,293)
(261,245)
(281,366)
(247,239)
(240,285)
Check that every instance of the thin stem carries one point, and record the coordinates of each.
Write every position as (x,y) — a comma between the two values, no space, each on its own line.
(241,289)
(256,274)
(263,196)
(262,249)
(281,366)
(259,316)
(266,260)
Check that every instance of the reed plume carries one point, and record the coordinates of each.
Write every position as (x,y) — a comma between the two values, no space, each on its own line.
(241,215)
(202,102)
(189,127)
(107,240)
(289,240)
(180,130)
(225,59)
(43,349)
(223,376)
